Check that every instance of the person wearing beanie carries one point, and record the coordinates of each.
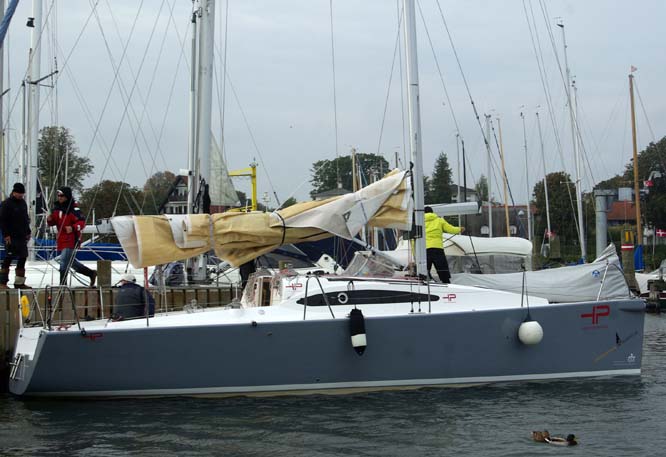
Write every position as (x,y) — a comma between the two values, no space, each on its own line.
(435,227)
(15,225)
(66,217)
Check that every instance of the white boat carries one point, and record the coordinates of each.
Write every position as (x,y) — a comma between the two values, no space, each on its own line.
(295,333)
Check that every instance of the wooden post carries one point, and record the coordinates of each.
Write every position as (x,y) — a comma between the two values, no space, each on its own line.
(104,273)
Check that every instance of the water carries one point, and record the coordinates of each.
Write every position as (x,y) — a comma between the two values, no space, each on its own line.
(618,417)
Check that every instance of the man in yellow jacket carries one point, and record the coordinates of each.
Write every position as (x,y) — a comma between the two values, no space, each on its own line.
(435,227)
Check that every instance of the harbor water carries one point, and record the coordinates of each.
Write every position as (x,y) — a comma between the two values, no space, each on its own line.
(610,417)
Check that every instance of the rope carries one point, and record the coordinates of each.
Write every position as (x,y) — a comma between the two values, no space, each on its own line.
(284,227)
(335,99)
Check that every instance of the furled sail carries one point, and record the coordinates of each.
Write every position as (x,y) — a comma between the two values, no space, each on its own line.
(240,237)
(221,191)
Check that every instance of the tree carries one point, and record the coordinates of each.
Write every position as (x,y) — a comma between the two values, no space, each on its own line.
(288,202)
(440,184)
(111,198)
(562,204)
(481,188)
(57,150)
(325,172)
(155,191)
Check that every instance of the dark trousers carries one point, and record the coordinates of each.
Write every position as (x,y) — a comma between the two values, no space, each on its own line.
(436,256)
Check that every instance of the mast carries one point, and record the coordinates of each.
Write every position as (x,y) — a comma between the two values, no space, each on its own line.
(572,116)
(639,229)
(3,184)
(545,180)
(204,95)
(192,115)
(489,179)
(506,190)
(30,171)
(415,133)
(527,180)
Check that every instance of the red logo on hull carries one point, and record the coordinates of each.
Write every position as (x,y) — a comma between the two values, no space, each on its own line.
(597,312)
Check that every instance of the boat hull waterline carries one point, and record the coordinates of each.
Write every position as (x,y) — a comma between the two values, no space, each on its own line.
(272,358)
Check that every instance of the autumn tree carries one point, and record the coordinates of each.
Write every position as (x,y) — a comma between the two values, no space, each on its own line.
(155,191)
(110,198)
(59,161)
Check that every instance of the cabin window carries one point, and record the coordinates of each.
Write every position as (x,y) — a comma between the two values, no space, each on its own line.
(368,297)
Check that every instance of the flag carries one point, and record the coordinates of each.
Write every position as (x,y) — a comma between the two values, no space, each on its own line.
(660,233)
(633,69)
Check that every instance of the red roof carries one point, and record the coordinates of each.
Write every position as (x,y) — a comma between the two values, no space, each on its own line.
(622,211)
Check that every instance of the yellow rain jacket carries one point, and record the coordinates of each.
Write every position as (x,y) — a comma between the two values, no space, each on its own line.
(435,226)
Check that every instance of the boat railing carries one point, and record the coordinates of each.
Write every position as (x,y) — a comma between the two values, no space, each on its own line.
(323,294)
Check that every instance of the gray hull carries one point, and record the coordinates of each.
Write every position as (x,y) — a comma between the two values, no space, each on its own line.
(403,351)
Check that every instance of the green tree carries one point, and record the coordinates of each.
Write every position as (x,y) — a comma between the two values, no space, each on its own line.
(562,207)
(288,202)
(440,184)
(155,191)
(481,188)
(57,150)
(110,198)
(325,172)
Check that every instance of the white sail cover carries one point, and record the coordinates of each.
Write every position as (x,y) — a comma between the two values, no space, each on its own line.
(240,237)
(504,253)
(564,284)
(221,189)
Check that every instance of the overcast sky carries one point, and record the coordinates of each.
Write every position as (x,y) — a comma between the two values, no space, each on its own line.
(279,104)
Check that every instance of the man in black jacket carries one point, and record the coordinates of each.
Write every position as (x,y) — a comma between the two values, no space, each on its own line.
(131,300)
(15,225)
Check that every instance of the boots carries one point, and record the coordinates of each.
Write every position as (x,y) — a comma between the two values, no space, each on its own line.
(4,278)
(93,277)
(92,274)
(19,280)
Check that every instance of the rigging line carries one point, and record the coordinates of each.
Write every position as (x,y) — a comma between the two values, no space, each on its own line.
(462,73)
(402,86)
(335,99)
(18,93)
(439,69)
(647,120)
(254,141)
(143,100)
(388,90)
(508,186)
(545,14)
(125,109)
(542,71)
(223,64)
(121,87)
(541,64)
(181,58)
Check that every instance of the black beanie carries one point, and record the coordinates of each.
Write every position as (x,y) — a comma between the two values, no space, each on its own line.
(18,188)
(66,191)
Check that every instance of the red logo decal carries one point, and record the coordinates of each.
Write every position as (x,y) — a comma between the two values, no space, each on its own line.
(94,336)
(597,312)
(294,286)
(449,297)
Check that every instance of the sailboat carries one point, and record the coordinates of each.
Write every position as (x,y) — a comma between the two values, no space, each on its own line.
(301,334)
